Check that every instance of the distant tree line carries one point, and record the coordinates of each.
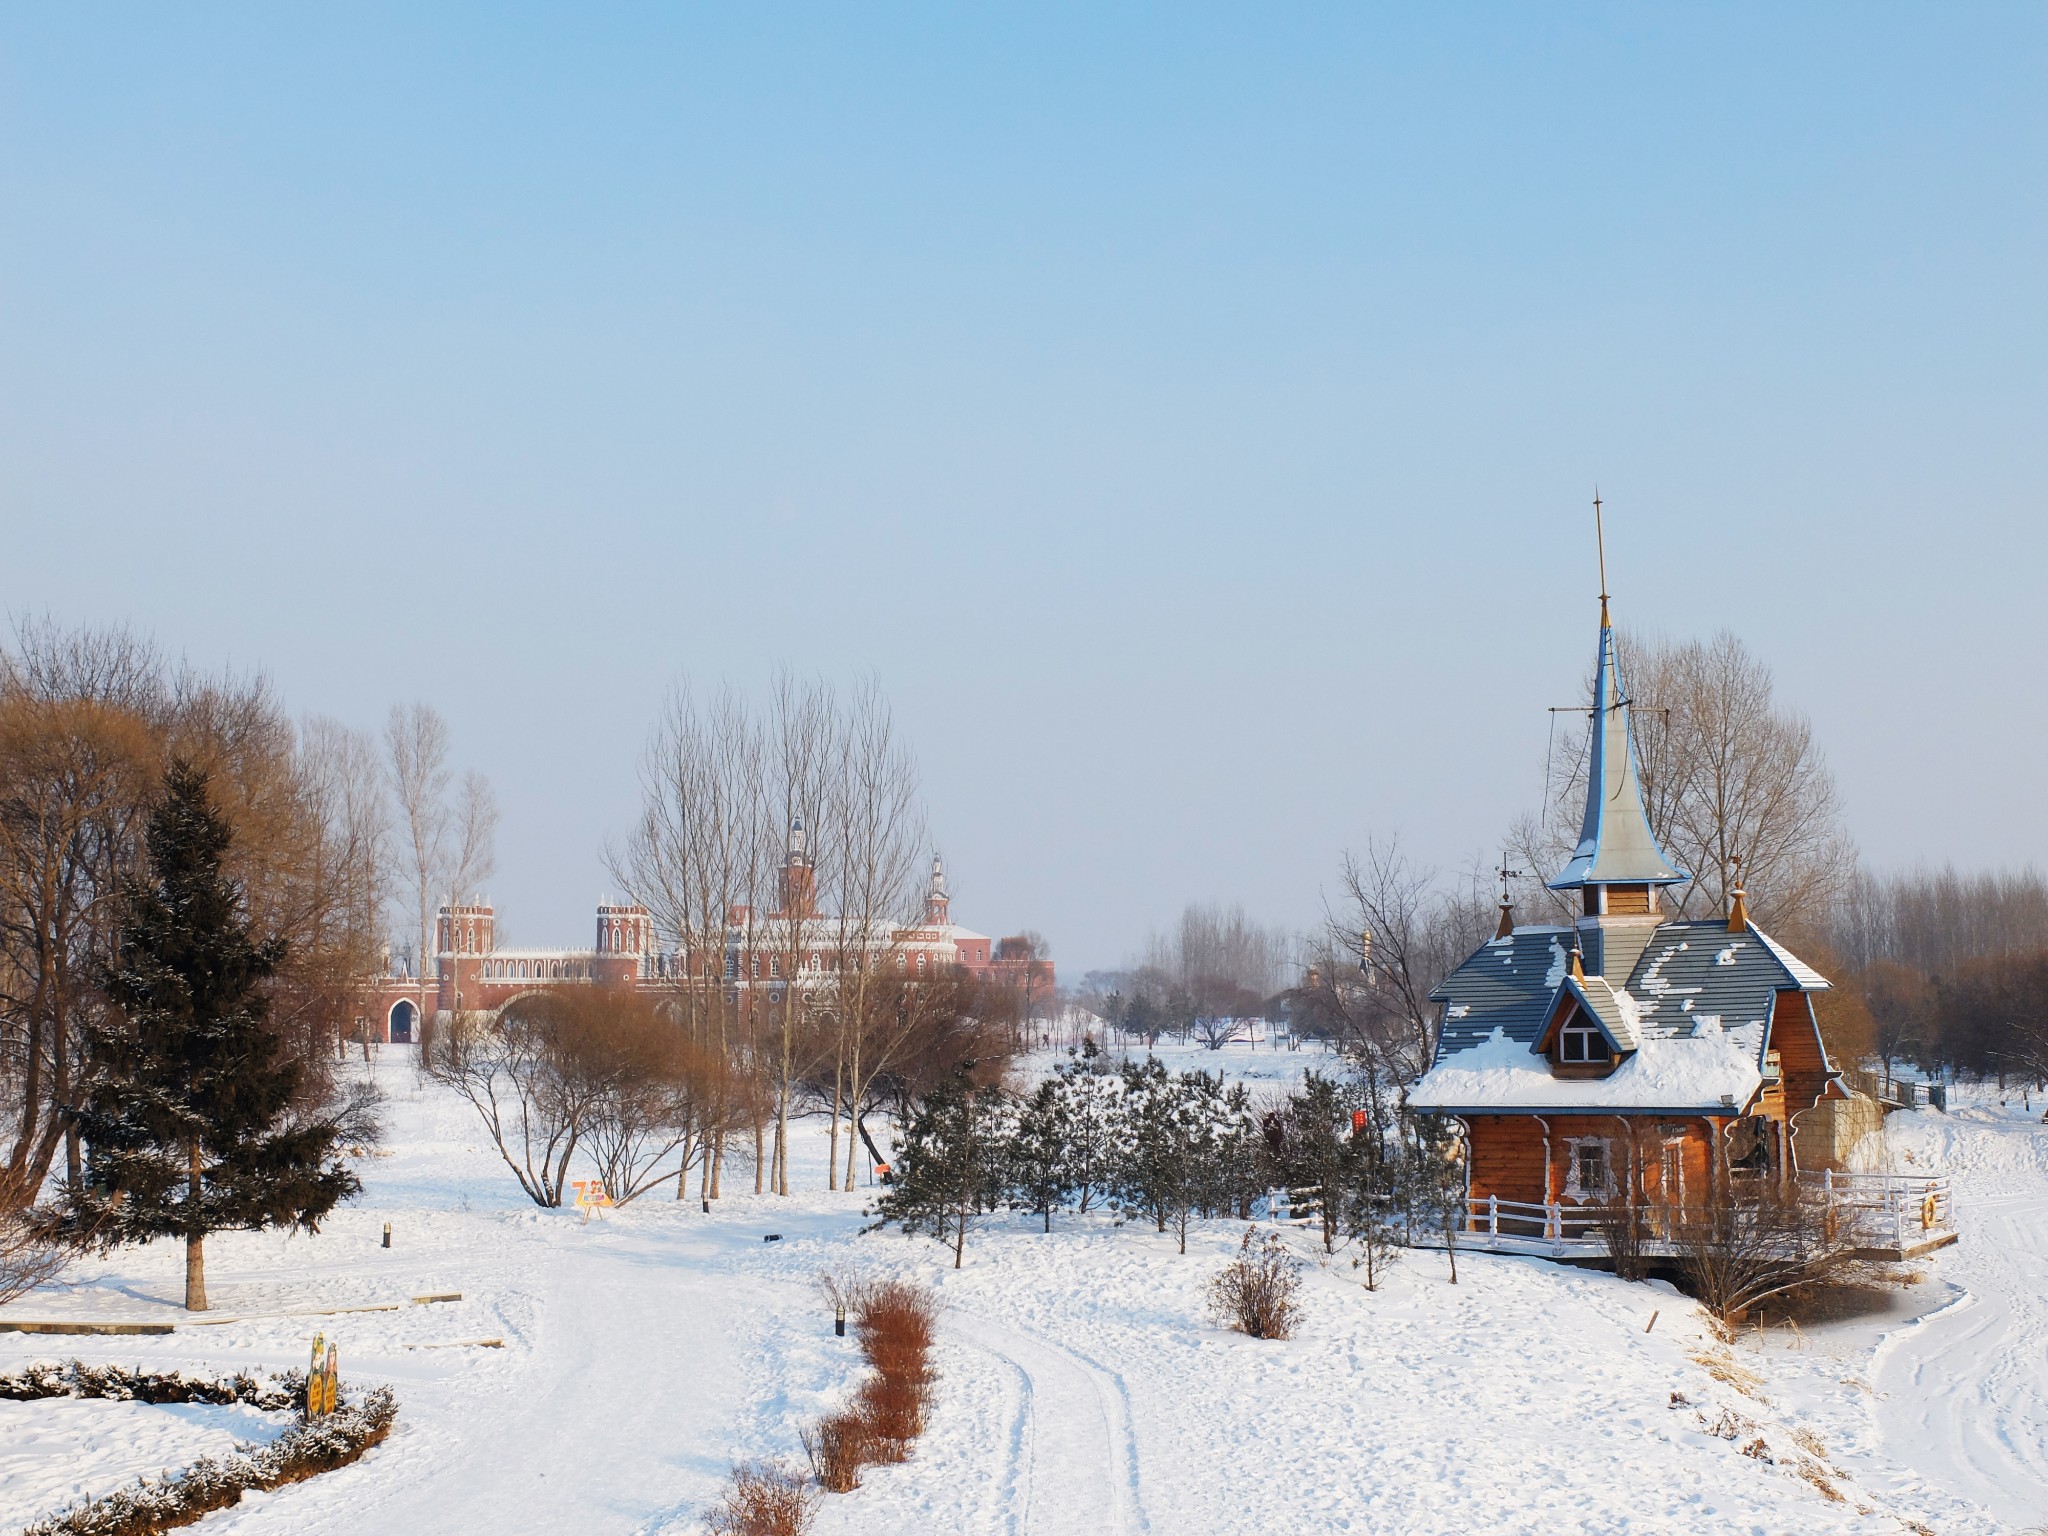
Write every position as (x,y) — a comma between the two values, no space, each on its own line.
(1952,969)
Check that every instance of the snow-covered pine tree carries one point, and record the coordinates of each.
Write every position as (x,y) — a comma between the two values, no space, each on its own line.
(1148,1167)
(190,1126)
(950,1162)
(1186,1145)
(1087,1091)
(1312,1148)
(1435,1183)
(1041,1151)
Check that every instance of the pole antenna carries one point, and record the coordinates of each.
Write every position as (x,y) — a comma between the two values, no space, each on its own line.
(1600,543)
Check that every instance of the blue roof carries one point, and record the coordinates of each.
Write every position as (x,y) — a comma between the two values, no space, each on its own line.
(1687,972)
(1615,841)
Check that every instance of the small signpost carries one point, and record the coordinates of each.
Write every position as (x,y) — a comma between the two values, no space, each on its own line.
(590,1196)
(323,1379)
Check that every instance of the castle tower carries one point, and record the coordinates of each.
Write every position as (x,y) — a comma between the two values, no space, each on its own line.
(625,942)
(937,906)
(465,930)
(624,930)
(799,878)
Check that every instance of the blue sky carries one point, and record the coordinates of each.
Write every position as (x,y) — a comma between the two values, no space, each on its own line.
(1189,413)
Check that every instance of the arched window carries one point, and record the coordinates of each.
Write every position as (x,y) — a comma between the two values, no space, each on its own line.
(920,962)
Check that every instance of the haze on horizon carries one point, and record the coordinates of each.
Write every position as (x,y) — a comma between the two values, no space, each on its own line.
(1189,414)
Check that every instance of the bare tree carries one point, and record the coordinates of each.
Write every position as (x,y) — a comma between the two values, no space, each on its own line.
(1219,967)
(1395,931)
(876,833)
(81,718)
(1742,1247)
(1726,771)
(804,753)
(345,783)
(416,757)
(699,861)
(536,1082)
(444,847)
(28,1255)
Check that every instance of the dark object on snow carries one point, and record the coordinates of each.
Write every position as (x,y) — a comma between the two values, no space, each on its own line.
(387,1234)
(839,1320)
(772,1237)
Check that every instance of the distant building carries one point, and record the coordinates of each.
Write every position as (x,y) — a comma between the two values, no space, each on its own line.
(794,944)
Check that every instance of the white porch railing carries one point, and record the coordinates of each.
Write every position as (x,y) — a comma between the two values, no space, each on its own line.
(1889,1214)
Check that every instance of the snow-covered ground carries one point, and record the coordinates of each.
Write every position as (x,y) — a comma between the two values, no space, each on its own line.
(1084,1390)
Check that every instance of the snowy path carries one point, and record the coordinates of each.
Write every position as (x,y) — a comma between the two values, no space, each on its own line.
(1963,1392)
(1072,1461)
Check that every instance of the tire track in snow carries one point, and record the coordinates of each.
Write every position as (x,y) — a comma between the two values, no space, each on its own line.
(1074,1462)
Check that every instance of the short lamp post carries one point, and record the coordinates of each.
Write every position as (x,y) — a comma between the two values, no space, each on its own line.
(839,1319)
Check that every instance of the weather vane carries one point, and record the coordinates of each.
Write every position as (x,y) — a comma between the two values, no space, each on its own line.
(1506,874)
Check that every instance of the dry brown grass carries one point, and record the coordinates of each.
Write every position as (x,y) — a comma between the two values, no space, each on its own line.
(764,1500)
(1720,1365)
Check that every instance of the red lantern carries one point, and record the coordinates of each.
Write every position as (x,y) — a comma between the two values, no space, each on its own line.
(1357,1121)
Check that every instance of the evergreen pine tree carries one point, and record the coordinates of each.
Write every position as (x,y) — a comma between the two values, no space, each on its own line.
(1041,1173)
(1313,1150)
(1087,1092)
(1149,1169)
(190,1126)
(950,1163)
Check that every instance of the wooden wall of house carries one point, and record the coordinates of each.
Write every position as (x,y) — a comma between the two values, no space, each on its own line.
(1795,1036)
(1508,1161)
(1506,1157)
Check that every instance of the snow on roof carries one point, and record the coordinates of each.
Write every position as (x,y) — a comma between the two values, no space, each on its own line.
(1808,978)
(1693,992)
(1707,1073)
(1616,1011)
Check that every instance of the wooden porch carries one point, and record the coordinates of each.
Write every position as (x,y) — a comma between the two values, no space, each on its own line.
(1890,1216)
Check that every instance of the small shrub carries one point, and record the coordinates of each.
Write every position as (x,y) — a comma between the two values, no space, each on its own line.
(764,1500)
(892,1318)
(838,1448)
(893,1409)
(1254,1293)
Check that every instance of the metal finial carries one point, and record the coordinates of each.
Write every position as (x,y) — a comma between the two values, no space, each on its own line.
(1600,543)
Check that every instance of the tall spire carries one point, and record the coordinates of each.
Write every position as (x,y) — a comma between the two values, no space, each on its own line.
(1616,846)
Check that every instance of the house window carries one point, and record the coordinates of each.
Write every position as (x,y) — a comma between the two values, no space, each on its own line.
(1580,1044)
(775,965)
(1588,1168)
(1592,1168)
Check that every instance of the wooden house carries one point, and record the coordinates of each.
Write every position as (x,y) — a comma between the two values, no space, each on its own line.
(1626,1056)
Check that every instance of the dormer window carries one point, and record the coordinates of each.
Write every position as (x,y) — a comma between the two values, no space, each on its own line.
(1579,1044)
